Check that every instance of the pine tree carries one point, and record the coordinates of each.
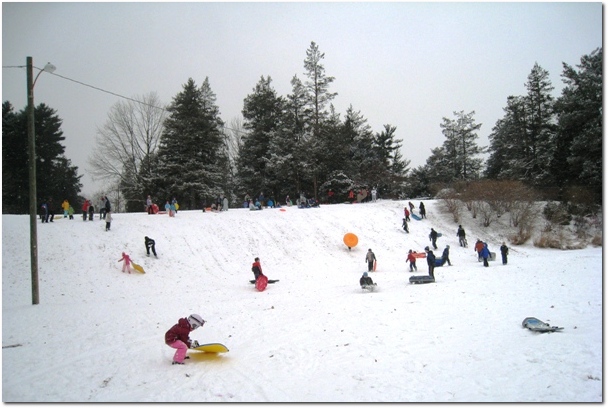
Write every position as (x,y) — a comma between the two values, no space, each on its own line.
(262,112)
(578,156)
(317,85)
(56,178)
(191,156)
(319,97)
(539,142)
(393,166)
(522,143)
(456,158)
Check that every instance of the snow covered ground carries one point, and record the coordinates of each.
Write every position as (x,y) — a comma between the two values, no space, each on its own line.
(98,334)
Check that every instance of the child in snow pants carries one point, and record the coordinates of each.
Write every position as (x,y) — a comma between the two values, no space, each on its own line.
(127,265)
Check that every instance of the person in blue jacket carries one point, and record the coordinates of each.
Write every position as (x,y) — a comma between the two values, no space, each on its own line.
(485,254)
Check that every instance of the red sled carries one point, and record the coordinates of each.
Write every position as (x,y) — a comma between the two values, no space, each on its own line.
(261,283)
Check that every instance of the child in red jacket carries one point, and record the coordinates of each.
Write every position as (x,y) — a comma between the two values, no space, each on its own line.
(412,260)
(178,336)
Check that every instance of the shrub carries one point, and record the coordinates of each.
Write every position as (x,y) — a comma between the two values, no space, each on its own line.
(557,213)
(451,202)
(520,237)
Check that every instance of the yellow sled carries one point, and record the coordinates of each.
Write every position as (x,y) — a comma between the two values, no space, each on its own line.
(211,348)
(138,268)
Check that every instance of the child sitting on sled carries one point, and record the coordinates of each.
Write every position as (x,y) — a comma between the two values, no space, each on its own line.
(366,280)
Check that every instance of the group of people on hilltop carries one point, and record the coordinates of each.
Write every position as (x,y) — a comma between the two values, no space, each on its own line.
(68,210)
(171,206)
(88,210)
(260,202)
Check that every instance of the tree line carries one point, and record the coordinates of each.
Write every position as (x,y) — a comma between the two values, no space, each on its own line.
(298,143)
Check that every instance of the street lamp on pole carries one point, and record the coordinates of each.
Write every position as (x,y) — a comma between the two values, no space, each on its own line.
(31,136)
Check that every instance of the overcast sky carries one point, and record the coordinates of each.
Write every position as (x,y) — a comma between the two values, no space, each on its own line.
(398,63)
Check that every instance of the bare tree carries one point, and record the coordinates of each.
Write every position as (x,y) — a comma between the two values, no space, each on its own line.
(126,144)
(234,138)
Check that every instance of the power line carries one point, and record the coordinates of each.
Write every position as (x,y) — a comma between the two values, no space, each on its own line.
(108,92)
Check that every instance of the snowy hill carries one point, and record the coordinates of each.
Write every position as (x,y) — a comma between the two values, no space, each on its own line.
(98,334)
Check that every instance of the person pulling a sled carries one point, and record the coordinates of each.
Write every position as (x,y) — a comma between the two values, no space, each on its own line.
(178,336)
(126,266)
(370,257)
(412,260)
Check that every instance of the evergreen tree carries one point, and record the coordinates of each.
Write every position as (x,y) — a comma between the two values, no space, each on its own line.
(358,137)
(15,174)
(262,112)
(317,85)
(56,178)
(578,155)
(461,146)
(438,167)
(507,150)
(540,138)
(287,158)
(393,165)
(522,143)
(192,158)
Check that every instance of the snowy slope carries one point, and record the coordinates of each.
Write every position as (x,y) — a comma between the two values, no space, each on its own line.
(98,334)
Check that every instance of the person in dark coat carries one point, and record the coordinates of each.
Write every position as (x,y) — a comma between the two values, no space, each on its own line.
(178,336)
(485,254)
(430,260)
(504,251)
(365,280)
(91,211)
(370,257)
(404,225)
(51,208)
(45,212)
(102,208)
(150,245)
(462,236)
(108,206)
(433,238)
(422,211)
(445,257)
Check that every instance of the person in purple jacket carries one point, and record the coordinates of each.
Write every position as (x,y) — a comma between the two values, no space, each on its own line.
(178,336)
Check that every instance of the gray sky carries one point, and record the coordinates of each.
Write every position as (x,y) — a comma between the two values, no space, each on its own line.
(398,63)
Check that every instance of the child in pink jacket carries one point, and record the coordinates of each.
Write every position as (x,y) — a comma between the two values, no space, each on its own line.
(127,264)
